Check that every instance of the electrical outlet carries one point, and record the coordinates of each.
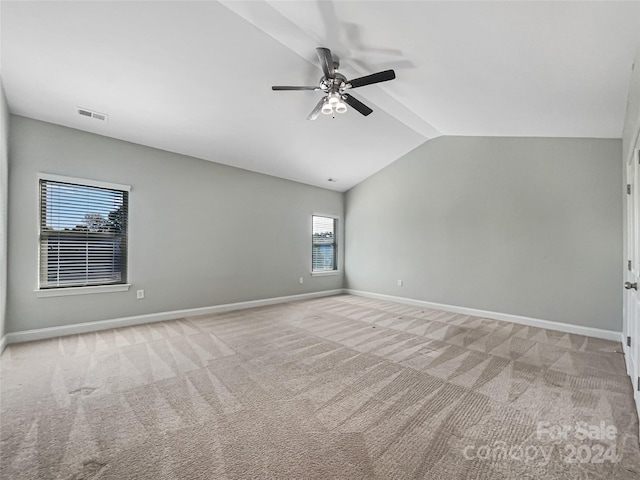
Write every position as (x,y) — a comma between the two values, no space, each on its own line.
(301,280)
(140,294)
(399,283)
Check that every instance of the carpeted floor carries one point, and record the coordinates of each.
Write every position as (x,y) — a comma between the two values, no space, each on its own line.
(338,387)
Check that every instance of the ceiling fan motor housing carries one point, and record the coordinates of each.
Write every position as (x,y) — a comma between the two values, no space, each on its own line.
(335,84)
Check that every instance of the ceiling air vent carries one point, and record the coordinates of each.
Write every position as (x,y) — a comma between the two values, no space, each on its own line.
(91,114)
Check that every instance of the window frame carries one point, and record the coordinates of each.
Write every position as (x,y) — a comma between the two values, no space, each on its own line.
(88,289)
(336,226)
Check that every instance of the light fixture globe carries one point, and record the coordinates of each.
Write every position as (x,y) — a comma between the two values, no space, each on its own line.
(340,107)
(327,109)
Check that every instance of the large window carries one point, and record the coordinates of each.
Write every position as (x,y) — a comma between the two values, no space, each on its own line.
(324,256)
(83,233)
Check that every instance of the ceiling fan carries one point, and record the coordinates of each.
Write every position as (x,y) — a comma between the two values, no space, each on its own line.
(335,86)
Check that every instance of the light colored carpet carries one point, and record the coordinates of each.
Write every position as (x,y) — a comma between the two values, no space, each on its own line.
(337,387)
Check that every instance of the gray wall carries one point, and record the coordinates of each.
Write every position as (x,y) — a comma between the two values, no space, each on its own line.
(524,226)
(201,234)
(4,184)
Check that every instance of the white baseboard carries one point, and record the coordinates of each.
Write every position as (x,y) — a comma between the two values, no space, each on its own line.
(51,332)
(627,358)
(532,322)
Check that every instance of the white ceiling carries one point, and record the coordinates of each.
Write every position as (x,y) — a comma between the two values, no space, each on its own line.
(195,77)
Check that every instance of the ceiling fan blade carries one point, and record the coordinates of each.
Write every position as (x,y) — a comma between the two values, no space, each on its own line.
(356,104)
(373,78)
(316,111)
(326,62)
(280,87)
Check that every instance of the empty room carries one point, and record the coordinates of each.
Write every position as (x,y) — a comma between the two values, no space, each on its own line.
(324,239)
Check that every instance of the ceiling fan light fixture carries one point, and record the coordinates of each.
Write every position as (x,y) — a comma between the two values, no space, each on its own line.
(334,99)
(340,107)
(327,109)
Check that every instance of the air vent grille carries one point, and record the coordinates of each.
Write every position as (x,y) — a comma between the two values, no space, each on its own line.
(85,112)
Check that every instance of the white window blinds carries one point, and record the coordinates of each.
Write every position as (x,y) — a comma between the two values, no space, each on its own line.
(324,256)
(83,235)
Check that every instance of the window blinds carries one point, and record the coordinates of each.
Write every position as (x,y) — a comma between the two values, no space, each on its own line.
(324,244)
(83,235)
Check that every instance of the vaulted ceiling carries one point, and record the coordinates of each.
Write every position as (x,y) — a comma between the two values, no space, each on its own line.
(195,77)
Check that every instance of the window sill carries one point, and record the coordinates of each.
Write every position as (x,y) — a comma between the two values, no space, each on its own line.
(324,274)
(63,292)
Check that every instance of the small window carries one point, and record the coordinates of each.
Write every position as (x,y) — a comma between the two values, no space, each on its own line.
(324,244)
(83,233)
